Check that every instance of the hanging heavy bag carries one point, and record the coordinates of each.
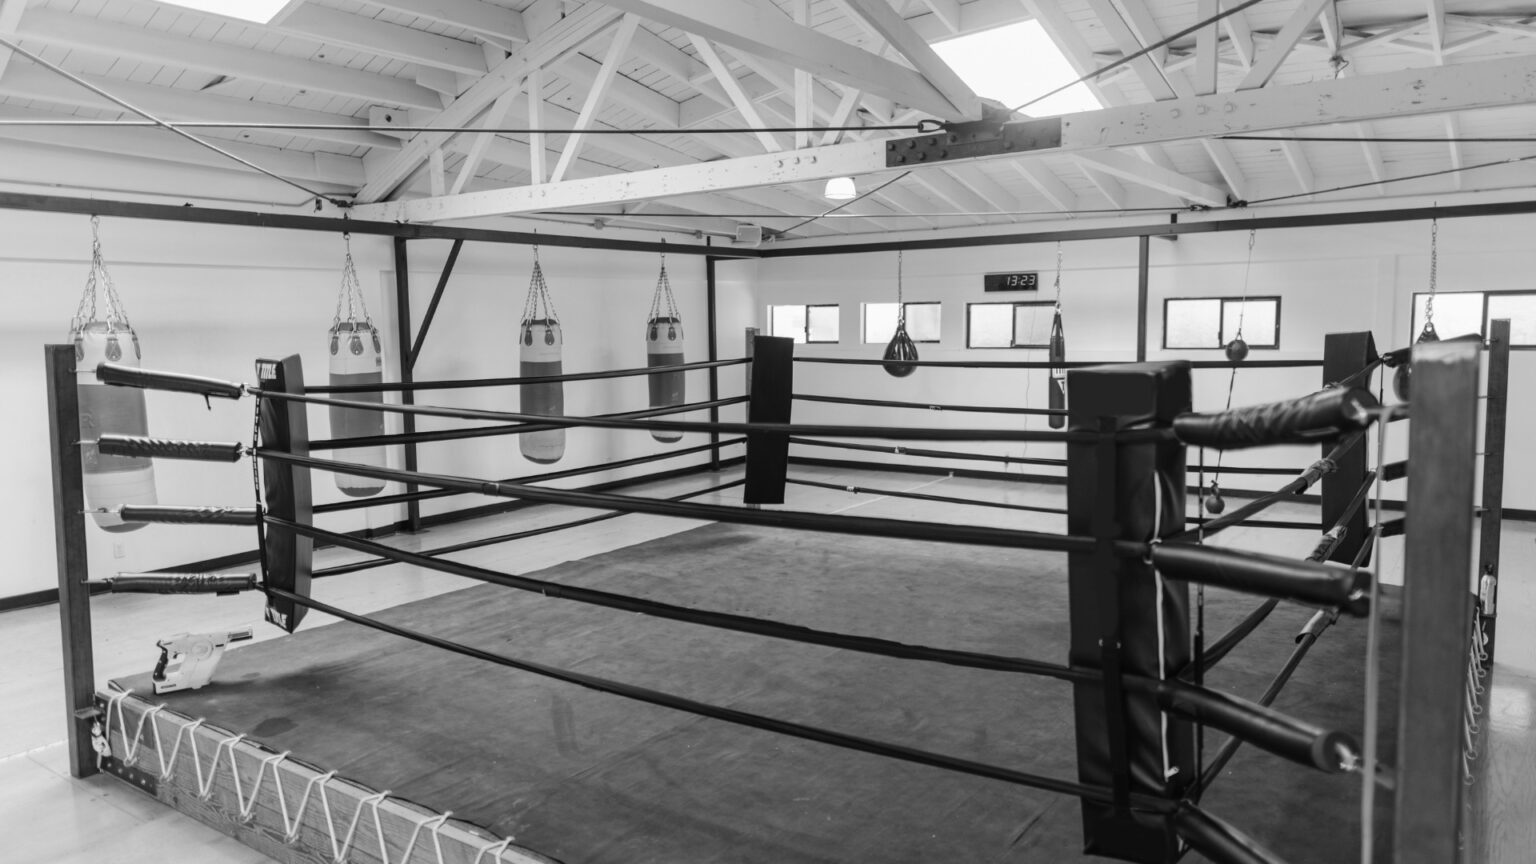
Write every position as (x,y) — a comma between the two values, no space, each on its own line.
(110,481)
(664,347)
(1058,359)
(540,341)
(900,352)
(356,359)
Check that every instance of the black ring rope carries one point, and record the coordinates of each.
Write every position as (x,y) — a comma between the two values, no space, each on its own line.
(508,429)
(1289,524)
(929,454)
(742,718)
(1295,487)
(904,529)
(1240,631)
(920,496)
(462,383)
(1304,644)
(883,403)
(383,500)
(1082,364)
(370,563)
(894,432)
(706,618)
(1255,470)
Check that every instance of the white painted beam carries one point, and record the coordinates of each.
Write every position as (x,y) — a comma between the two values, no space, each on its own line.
(10,15)
(841,117)
(1108,186)
(1240,35)
(1268,63)
(618,50)
(1452,132)
(733,89)
(563,35)
(121,41)
(633,95)
(341,29)
(1410,92)
(1207,45)
(948,12)
(998,198)
(1144,173)
(1046,183)
(1435,12)
(35,83)
(494,117)
(486,19)
(536,142)
(805,108)
(768,33)
(891,27)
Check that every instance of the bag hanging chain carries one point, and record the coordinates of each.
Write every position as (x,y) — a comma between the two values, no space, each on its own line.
(1242,310)
(538,295)
(901,306)
(99,280)
(351,292)
(664,290)
(1058,275)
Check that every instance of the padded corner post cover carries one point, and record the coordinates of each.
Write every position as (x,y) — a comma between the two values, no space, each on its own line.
(1121,614)
(284,427)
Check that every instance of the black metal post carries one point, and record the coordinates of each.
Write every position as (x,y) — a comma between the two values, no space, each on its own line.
(69,541)
(437,297)
(407,369)
(1143,279)
(1437,605)
(714,354)
(1495,419)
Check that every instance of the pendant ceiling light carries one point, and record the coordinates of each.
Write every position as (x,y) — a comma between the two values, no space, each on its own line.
(840,189)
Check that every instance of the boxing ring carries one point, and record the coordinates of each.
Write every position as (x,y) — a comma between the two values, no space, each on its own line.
(895,712)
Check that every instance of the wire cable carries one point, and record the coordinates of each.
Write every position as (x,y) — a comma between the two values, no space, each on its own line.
(849,202)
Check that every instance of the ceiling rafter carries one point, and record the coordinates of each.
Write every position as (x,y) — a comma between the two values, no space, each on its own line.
(10,16)
(743,104)
(343,29)
(618,49)
(1268,63)
(488,20)
(896,32)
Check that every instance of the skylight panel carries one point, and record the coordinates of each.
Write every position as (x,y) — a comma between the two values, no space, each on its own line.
(259,11)
(1015,63)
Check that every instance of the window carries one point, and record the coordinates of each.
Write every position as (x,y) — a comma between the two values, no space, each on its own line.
(1458,313)
(816,323)
(880,322)
(1009,325)
(1212,322)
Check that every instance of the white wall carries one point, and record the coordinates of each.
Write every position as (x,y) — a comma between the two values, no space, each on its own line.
(210,299)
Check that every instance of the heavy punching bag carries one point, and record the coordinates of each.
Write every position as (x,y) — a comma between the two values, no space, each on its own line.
(356,359)
(110,481)
(1058,359)
(539,344)
(664,347)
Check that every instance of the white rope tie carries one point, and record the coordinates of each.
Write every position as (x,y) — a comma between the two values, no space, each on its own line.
(131,735)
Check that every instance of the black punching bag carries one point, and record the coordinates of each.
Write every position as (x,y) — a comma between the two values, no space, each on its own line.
(1058,359)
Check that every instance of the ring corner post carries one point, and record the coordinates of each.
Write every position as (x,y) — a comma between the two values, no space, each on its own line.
(712,334)
(1495,422)
(772,385)
(1125,619)
(1437,602)
(286,555)
(73,567)
(1345,355)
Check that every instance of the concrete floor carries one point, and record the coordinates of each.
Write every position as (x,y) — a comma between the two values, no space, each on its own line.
(47,816)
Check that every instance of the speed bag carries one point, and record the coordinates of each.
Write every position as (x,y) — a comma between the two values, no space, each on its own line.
(540,356)
(664,347)
(111,481)
(357,360)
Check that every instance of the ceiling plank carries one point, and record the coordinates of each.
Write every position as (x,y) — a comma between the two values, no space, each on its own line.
(1144,173)
(769,34)
(564,35)
(494,117)
(1046,183)
(10,15)
(1409,92)
(38,84)
(1108,186)
(487,19)
(805,108)
(633,95)
(733,89)
(121,41)
(618,50)
(1267,64)
(334,27)
(894,29)
(840,117)
(1301,168)
(1240,35)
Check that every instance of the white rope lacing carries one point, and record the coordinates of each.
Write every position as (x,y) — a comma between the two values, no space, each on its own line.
(341,845)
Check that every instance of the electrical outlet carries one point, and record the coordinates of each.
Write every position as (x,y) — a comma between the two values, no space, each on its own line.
(117,550)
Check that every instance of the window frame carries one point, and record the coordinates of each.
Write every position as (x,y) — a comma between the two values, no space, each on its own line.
(1413,314)
(807,330)
(1013,323)
(864,319)
(1221,325)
